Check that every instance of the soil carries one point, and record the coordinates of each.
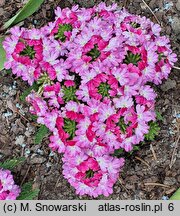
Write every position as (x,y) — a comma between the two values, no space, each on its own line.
(150,173)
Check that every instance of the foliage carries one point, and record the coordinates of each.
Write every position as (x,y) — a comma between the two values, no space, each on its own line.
(28,91)
(41,134)
(27,192)
(25,12)
(159,116)
(11,164)
(153,131)
(2,54)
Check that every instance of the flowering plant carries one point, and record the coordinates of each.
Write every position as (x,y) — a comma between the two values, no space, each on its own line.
(93,68)
(8,189)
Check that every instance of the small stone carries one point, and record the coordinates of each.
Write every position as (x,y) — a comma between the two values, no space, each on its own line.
(130,186)
(27,134)
(152,179)
(165,198)
(166,101)
(6,152)
(37,160)
(178,5)
(169,181)
(133,179)
(19,140)
(25,1)
(176,25)
(12,92)
(169,84)
(34,148)
(1,11)
(2,2)
(6,89)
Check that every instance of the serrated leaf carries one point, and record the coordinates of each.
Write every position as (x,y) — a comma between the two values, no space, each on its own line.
(176,195)
(25,12)
(33,117)
(2,54)
(8,72)
(135,148)
(41,133)
(159,116)
(153,131)
(11,164)
(28,91)
(27,192)
(118,152)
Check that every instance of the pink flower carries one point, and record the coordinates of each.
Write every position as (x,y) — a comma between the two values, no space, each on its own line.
(147,92)
(56,143)
(39,106)
(69,83)
(93,176)
(8,189)
(141,130)
(144,115)
(93,68)
(123,102)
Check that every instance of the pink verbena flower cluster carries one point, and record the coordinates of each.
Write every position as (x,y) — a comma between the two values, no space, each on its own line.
(93,67)
(8,189)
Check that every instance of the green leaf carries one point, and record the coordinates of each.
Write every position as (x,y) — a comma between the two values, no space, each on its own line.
(159,116)
(2,54)
(135,148)
(25,12)
(27,192)
(11,164)
(28,91)
(103,89)
(118,152)
(61,30)
(33,117)
(70,127)
(153,131)
(69,93)
(132,58)
(176,195)
(41,134)
(94,53)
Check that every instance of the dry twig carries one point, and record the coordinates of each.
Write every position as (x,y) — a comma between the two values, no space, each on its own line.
(123,186)
(144,162)
(153,152)
(174,153)
(25,175)
(57,182)
(151,12)
(156,184)
(175,67)
(125,3)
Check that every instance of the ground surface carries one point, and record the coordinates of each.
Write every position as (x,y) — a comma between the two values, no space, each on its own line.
(157,162)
